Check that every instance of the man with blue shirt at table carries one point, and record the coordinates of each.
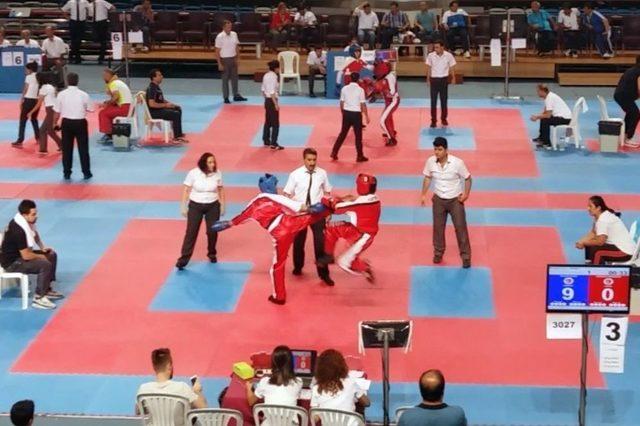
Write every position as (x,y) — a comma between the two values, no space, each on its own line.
(455,22)
(540,21)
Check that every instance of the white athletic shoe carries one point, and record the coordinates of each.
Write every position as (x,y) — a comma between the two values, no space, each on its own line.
(467,54)
(607,55)
(567,53)
(43,303)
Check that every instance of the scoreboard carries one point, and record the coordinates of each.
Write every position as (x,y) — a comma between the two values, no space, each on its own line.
(303,362)
(588,288)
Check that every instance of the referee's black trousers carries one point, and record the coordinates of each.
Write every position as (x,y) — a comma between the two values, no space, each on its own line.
(174,115)
(350,119)
(101,35)
(439,87)
(271,126)
(75,130)
(76,33)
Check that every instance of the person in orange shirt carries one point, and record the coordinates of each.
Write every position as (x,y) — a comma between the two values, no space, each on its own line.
(280,24)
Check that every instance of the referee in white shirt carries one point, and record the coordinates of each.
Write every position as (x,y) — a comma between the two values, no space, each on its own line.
(440,66)
(270,88)
(100,12)
(353,106)
(72,105)
(451,188)
(308,184)
(227,54)
(77,12)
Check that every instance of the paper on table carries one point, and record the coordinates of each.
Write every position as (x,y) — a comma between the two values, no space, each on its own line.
(135,37)
(354,374)
(519,43)
(611,359)
(363,384)
(7,59)
(496,52)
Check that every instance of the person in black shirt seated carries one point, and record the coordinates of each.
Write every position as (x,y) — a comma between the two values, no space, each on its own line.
(18,254)
(160,108)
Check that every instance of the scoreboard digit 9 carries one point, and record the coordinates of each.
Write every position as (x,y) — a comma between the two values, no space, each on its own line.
(588,288)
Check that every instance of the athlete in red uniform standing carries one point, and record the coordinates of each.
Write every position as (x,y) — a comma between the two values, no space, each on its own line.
(387,86)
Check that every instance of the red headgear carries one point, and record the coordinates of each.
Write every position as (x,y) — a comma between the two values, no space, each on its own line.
(381,69)
(366,184)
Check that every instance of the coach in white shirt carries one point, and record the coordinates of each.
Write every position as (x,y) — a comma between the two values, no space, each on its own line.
(270,88)
(227,53)
(308,184)
(306,23)
(100,12)
(440,68)
(451,188)
(26,40)
(54,49)
(317,61)
(367,24)
(353,106)
(77,12)
(555,112)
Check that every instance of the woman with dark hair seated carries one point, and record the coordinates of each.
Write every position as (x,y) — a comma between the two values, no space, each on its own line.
(609,240)
(282,387)
(333,387)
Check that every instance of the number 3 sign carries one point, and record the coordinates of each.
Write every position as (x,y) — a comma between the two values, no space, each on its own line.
(613,335)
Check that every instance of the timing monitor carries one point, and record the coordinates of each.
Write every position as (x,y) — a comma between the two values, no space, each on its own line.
(588,288)
(390,55)
(304,361)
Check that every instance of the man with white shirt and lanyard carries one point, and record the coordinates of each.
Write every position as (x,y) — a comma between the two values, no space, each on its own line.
(76,11)
(451,188)
(317,61)
(440,69)
(72,105)
(555,112)
(54,49)
(100,12)
(270,87)
(308,184)
(353,106)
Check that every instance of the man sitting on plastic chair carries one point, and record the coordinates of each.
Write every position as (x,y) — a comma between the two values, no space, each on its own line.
(556,112)
(160,108)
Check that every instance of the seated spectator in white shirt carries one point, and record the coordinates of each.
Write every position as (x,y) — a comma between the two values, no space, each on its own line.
(367,24)
(433,411)
(317,61)
(306,23)
(22,413)
(164,384)
(282,387)
(568,21)
(333,387)
(555,112)
(26,40)
(3,41)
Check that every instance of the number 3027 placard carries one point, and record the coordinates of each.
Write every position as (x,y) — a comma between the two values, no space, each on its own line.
(564,326)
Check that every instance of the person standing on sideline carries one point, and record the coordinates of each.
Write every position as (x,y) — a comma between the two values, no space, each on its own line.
(159,107)
(270,88)
(308,184)
(54,49)
(100,11)
(202,197)
(451,187)
(227,54)
(353,106)
(626,94)
(72,104)
(28,101)
(117,105)
(555,112)
(76,11)
(46,96)
(317,61)
(440,68)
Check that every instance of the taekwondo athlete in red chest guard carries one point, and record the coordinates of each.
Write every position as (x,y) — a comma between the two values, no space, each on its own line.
(355,64)
(364,214)
(387,86)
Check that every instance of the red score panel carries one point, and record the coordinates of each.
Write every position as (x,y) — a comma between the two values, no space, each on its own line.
(608,292)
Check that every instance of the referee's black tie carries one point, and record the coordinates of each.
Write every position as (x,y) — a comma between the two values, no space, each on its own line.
(308,200)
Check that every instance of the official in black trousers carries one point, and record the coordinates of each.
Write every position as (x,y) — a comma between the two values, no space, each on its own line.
(626,94)
(353,106)
(440,68)
(77,12)
(72,106)
(29,102)
(270,88)
(100,11)
(160,108)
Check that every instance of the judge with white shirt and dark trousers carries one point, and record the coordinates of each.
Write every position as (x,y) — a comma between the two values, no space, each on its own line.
(440,69)
(317,61)
(77,12)
(27,104)
(55,50)
(47,98)
(555,112)
(72,105)
(353,106)
(308,184)
(100,12)
(270,88)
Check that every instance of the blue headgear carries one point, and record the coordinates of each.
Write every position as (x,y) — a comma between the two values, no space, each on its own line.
(268,184)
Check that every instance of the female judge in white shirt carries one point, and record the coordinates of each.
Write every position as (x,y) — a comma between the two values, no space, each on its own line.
(27,102)
(282,387)
(46,96)
(202,197)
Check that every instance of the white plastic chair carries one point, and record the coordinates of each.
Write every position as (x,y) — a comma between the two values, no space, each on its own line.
(571,130)
(163,410)
(635,257)
(131,118)
(400,411)
(214,417)
(279,415)
(329,417)
(632,230)
(150,122)
(604,116)
(22,278)
(289,68)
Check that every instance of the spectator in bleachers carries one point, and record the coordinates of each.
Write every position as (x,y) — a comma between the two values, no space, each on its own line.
(569,22)
(540,22)
(279,26)
(333,387)
(393,23)
(100,11)
(455,22)
(626,94)
(27,103)
(76,11)
(426,23)
(117,105)
(307,24)
(433,410)
(3,41)
(227,54)
(22,413)
(164,384)
(598,30)
(19,253)
(26,40)
(159,107)
(282,387)
(54,49)
(555,112)
(146,12)
(317,61)
(47,97)
(367,24)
